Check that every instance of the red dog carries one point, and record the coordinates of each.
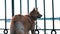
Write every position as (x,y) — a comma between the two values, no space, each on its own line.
(22,24)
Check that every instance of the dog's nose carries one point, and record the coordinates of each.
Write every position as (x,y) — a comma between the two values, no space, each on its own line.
(39,16)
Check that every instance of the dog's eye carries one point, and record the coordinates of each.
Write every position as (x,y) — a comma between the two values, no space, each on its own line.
(37,13)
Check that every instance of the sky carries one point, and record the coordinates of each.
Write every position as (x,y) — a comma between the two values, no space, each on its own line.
(48,5)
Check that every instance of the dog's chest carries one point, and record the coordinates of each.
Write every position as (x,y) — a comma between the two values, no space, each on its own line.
(29,23)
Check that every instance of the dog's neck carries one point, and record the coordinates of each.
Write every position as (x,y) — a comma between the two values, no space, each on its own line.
(32,18)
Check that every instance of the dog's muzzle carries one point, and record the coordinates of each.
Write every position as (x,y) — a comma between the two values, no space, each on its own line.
(39,16)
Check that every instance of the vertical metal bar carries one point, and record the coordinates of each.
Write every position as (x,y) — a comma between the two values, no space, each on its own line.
(36,4)
(12,7)
(28,6)
(20,6)
(36,20)
(53,17)
(53,12)
(36,8)
(44,18)
(5,30)
(5,15)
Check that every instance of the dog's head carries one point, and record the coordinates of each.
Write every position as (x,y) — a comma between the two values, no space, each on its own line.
(35,14)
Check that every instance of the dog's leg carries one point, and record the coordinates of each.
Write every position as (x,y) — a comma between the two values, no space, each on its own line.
(12,26)
(12,31)
(33,30)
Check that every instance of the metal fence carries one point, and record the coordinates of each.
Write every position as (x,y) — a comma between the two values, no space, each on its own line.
(53,19)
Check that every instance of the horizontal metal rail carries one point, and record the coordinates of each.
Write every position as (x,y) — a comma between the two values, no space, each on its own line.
(38,29)
(38,19)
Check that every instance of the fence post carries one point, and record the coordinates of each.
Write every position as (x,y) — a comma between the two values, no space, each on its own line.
(20,6)
(53,17)
(12,7)
(44,18)
(5,30)
(36,20)
(28,6)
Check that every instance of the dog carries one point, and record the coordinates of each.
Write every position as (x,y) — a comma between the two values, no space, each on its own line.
(22,24)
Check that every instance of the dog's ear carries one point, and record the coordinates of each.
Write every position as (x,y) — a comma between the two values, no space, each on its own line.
(33,9)
(37,9)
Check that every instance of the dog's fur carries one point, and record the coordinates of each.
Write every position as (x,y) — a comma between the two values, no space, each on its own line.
(22,24)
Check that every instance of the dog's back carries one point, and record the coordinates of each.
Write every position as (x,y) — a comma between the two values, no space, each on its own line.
(20,24)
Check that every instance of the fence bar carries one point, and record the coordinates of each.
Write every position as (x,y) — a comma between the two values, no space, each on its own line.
(28,6)
(36,4)
(53,17)
(37,29)
(53,12)
(36,8)
(44,18)
(20,6)
(5,15)
(12,7)
(5,30)
(36,20)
